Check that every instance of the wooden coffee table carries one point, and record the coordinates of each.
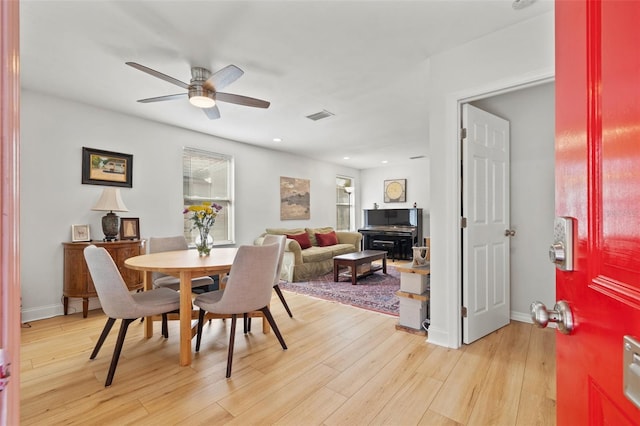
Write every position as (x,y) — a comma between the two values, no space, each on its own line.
(353,260)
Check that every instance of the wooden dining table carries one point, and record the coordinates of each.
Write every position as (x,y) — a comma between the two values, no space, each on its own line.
(185,264)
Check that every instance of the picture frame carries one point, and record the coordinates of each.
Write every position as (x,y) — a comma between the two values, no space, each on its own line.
(395,191)
(80,233)
(295,198)
(129,228)
(107,168)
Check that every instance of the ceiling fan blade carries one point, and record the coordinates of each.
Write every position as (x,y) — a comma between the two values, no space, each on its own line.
(223,78)
(241,100)
(163,98)
(158,75)
(212,112)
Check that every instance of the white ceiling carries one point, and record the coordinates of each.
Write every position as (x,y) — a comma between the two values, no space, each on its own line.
(364,61)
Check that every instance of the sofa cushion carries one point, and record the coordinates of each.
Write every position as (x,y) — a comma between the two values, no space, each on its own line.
(285,231)
(313,231)
(339,249)
(328,239)
(302,239)
(316,254)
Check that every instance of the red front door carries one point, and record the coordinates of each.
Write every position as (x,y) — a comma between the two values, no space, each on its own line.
(598,184)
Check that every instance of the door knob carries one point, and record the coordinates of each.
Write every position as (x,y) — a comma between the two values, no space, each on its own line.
(509,232)
(560,314)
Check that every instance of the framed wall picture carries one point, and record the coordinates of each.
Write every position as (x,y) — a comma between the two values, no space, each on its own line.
(295,198)
(395,191)
(106,168)
(80,233)
(129,228)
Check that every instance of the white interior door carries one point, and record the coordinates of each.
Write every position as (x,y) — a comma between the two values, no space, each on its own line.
(485,205)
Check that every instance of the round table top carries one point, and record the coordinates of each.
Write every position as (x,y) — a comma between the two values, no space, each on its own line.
(171,262)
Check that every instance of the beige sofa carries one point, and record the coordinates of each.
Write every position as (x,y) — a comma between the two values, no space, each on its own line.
(303,265)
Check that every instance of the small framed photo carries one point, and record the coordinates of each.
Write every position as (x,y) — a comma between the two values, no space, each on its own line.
(80,233)
(129,228)
(106,168)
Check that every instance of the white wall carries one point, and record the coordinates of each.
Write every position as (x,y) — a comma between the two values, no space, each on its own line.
(531,113)
(53,132)
(515,55)
(416,172)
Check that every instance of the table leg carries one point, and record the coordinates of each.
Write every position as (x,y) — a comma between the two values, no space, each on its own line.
(185,318)
(384,264)
(354,273)
(147,282)
(335,271)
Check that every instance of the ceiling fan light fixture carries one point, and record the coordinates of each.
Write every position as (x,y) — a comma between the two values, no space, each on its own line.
(201,98)
(202,101)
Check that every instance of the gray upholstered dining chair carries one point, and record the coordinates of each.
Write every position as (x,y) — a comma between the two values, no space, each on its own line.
(281,240)
(248,289)
(118,303)
(179,242)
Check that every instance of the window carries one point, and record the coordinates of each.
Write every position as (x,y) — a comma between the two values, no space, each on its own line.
(207,176)
(345,216)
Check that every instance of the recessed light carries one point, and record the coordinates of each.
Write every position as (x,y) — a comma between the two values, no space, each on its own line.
(346,158)
(277,140)
(384,161)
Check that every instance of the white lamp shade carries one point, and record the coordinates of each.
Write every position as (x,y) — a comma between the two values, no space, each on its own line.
(110,201)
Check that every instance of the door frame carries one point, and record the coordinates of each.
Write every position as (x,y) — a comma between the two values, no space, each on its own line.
(451,335)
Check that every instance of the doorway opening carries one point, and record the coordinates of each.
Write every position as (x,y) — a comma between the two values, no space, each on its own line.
(531,111)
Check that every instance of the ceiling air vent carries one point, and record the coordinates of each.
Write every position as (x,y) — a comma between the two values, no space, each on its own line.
(320,115)
(416,157)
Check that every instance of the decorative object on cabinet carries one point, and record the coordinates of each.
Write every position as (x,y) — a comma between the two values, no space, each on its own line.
(395,191)
(80,233)
(110,201)
(295,198)
(77,281)
(420,255)
(106,168)
(129,228)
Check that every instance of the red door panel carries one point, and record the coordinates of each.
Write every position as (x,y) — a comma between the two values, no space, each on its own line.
(598,183)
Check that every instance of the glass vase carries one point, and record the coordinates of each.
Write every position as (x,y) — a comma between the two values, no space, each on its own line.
(204,242)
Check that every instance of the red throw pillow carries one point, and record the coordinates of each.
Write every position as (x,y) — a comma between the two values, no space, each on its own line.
(302,239)
(329,239)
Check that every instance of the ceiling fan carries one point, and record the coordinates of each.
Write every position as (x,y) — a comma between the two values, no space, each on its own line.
(202,91)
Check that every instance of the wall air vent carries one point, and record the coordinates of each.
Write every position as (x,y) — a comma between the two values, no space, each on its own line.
(320,115)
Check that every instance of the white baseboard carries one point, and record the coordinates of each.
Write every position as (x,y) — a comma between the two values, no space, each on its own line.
(438,337)
(522,317)
(44,312)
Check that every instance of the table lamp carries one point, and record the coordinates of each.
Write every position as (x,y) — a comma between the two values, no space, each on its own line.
(110,201)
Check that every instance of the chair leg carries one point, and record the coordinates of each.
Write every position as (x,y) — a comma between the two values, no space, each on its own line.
(284,302)
(165,326)
(272,322)
(232,338)
(103,336)
(116,352)
(245,318)
(200,324)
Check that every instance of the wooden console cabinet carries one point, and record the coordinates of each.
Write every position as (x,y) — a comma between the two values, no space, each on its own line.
(77,280)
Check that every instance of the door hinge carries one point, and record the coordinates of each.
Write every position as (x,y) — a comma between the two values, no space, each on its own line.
(463,311)
(463,222)
(463,133)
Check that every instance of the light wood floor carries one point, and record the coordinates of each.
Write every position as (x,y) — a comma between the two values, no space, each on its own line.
(344,366)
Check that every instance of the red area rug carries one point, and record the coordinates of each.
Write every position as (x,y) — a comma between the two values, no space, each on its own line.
(376,292)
